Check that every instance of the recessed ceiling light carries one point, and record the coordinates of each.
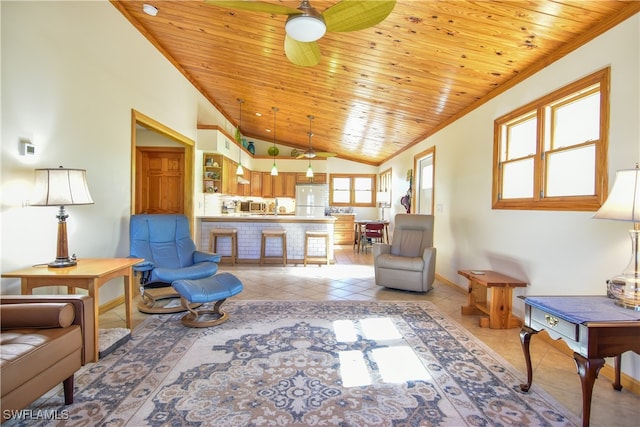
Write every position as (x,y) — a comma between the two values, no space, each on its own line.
(149,9)
(259,114)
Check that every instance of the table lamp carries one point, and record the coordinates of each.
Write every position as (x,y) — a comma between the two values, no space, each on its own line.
(383,199)
(623,204)
(61,187)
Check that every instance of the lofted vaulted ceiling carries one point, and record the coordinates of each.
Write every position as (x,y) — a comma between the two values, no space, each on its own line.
(375,91)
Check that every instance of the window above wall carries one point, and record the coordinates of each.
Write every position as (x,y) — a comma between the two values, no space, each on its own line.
(552,153)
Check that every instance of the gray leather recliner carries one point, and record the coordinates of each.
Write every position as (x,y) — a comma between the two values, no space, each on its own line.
(409,262)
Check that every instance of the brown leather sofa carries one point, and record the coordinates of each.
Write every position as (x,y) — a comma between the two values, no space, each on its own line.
(44,341)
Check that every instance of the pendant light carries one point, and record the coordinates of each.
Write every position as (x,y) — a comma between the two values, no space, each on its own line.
(274,169)
(309,170)
(240,170)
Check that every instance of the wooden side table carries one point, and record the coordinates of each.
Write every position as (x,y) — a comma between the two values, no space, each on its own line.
(498,306)
(592,326)
(89,274)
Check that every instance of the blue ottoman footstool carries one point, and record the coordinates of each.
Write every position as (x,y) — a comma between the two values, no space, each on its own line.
(211,289)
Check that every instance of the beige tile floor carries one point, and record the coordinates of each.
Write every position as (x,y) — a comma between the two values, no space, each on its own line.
(351,278)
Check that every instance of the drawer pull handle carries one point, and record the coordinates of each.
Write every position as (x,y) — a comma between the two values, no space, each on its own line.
(551,321)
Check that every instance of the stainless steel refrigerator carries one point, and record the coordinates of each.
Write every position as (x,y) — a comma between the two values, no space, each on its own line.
(312,199)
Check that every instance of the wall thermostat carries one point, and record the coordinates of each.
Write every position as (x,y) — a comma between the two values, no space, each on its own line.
(27,148)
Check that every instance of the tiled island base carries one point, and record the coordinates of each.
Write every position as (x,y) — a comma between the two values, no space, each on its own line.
(250,235)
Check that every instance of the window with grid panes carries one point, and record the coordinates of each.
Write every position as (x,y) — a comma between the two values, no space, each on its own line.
(551,154)
(352,190)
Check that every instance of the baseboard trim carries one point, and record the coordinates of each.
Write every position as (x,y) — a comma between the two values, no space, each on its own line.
(110,305)
(451,284)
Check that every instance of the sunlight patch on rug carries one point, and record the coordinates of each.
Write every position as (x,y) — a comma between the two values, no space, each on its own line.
(308,363)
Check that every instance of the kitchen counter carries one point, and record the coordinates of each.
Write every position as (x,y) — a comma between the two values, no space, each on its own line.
(250,228)
(244,217)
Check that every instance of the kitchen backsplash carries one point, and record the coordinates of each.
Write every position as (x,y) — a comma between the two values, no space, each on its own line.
(344,209)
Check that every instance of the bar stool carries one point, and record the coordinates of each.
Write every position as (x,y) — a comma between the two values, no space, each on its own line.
(232,233)
(276,233)
(308,235)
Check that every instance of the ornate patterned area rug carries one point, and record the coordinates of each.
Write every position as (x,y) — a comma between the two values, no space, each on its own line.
(281,363)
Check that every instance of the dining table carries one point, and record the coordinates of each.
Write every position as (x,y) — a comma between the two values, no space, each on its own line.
(359,226)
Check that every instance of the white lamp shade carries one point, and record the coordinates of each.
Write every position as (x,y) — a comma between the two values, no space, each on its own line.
(384,198)
(61,187)
(623,203)
(309,172)
(305,28)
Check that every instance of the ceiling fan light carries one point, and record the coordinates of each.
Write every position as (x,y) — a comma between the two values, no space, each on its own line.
(305,28)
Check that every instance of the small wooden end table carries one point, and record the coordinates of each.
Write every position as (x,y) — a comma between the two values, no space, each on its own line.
(592,326)
(89,274)
(498,308)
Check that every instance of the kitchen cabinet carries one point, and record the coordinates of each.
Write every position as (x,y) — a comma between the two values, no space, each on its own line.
(318,178)
(244,189)
(267,185)
(343,229)
(230,180)
(281,185)
(255,188)
(212,173)
(284,185)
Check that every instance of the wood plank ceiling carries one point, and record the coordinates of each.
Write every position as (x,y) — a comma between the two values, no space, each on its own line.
(376,91)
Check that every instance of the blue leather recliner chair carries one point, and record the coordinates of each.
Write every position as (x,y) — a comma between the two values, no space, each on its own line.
(165,243)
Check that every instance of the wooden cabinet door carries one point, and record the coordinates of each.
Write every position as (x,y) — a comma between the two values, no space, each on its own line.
(318,178)
(225,176)
(267,185)
(256,184)
(233,178)
(245,189)
(230,180)
(278,185)
(301,178)
(290,185)
(284,185)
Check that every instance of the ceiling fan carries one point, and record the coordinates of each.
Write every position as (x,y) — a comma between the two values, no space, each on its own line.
(310,153)
(305,25)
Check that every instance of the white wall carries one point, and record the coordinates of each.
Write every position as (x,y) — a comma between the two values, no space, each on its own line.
(557,253)
(71,74)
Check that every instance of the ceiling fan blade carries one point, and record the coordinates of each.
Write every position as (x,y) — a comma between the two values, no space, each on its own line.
(325,154)
(254,6)
(354,15)
(302,156)
(301,53)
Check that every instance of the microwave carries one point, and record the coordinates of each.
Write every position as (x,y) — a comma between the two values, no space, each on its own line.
(257,207)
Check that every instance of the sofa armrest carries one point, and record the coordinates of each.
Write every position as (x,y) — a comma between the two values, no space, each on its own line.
(84,315)
(381,248)
(199,256)
(41,315)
